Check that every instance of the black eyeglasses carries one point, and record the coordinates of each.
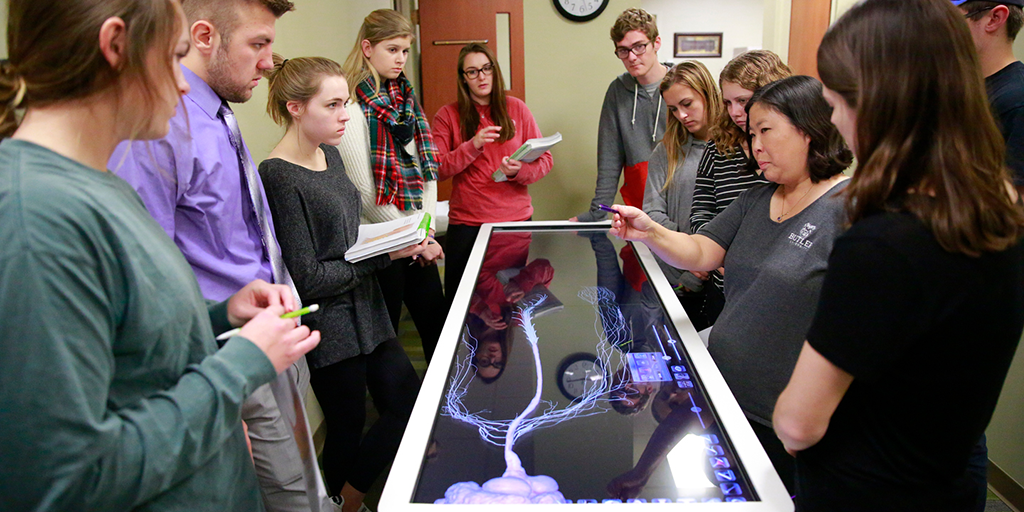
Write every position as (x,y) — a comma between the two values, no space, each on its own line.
(497,365)
(977,12)
(472,73)
(637,49)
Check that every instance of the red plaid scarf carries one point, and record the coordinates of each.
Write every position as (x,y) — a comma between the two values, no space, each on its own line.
(399,179)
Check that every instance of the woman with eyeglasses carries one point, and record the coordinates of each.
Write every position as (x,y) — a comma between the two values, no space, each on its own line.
(475,137)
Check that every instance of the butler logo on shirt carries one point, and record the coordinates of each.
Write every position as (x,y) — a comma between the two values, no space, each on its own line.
(801,239)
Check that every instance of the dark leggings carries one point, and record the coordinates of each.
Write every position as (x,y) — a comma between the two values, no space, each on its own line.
(458,243)
(341,390)
(420,288)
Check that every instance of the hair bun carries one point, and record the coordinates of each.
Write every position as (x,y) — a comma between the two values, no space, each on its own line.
(14,81)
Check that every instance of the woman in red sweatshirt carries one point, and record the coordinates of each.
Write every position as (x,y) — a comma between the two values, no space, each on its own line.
(475,136)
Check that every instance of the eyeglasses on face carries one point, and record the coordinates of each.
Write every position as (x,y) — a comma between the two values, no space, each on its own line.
(637,49)
(977,12)
(497,365)
(472,73)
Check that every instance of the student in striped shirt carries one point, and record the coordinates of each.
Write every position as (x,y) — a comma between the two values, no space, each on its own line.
(724,171)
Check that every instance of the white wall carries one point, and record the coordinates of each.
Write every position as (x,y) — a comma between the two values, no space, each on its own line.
(315,28)
(740,21)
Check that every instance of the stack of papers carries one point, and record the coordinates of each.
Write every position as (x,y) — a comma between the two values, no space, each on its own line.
(530,151)
(385,237)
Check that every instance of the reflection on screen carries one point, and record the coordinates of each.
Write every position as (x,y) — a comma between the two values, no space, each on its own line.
(517,426)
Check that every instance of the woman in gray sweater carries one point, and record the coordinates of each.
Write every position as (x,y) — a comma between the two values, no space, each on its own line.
(694,106)
(316,208)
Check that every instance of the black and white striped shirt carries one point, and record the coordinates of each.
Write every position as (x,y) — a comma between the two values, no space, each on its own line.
(720,180)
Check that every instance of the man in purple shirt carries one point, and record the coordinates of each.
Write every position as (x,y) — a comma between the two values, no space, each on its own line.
(199,183)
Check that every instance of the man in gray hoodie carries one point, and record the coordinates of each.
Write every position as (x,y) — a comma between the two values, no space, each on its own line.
(632,117)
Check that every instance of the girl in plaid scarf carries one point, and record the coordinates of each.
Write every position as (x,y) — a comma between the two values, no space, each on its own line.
(389,154)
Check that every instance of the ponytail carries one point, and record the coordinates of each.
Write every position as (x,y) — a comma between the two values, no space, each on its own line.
(12,93)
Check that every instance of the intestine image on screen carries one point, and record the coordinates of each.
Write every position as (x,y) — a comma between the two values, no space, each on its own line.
(515,485)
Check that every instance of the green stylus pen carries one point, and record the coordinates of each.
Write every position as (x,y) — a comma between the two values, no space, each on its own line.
(294,314)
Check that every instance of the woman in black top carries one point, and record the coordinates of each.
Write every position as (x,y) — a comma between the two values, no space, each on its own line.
(316,209)
(902,366)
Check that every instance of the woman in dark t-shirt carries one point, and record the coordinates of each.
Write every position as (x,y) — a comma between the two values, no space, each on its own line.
(902,367)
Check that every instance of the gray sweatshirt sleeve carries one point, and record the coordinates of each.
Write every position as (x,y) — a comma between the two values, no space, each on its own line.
(611,156)
(655,204)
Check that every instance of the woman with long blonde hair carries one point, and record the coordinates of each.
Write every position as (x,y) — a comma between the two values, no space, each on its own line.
(390,156)
(694,105)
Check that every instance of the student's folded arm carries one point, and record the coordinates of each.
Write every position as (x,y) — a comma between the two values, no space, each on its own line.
(805,407)
(705,202)
(315,278)
(655,203)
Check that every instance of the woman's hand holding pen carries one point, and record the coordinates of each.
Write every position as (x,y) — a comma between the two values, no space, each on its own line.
(279,338)
(255,297)
(630,223)
(486,136)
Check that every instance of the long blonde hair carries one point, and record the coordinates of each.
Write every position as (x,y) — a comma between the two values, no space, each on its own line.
(694,75)
(379,25)
(750,70)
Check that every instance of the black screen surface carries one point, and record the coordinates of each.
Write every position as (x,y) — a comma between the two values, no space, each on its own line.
(618,411)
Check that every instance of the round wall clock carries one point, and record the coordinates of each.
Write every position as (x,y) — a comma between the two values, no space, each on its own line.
(580,10)
(577,372)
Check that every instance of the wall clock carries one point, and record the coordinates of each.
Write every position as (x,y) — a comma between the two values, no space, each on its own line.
(578,372)
(580,10)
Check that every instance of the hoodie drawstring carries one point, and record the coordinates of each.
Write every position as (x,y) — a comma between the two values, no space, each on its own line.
(636,90)
(654,130)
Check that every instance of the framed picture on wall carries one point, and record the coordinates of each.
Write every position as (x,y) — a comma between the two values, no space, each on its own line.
(691,45)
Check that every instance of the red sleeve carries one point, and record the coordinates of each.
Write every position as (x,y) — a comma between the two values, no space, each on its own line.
(537,169)
(456,155)
(539,271)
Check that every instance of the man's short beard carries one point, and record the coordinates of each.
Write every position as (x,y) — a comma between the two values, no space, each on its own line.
(221,81)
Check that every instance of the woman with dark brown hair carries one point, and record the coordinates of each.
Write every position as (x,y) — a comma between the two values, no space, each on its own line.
(115,395)
(475,137)
(902,367)
(775,239)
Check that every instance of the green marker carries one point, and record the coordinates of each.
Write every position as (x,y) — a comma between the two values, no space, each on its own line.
(312,308)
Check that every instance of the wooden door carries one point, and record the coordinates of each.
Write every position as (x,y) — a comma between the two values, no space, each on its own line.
(448,25)
(808,25)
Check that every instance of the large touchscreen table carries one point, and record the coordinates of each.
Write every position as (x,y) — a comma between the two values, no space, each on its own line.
(567,373)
